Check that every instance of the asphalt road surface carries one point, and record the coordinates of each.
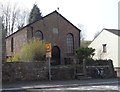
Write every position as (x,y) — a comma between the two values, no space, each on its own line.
(107,85)
(90,88)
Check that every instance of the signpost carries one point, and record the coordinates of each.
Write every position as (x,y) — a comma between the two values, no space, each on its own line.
(48,49)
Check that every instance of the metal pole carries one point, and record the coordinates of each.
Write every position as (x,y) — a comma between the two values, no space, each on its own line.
(49,69)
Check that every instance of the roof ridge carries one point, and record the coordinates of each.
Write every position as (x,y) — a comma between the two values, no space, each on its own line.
(114,31)
(55,11)
(31,23)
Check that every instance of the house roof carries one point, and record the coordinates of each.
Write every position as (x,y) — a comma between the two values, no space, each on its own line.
(114,31)
(43,18)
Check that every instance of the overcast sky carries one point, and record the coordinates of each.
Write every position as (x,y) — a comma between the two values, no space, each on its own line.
(90,15)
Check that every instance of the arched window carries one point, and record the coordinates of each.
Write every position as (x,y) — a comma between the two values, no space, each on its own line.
(70,43)
(38,34)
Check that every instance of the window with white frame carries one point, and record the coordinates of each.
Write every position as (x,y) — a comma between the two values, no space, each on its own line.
(104,48)
(70,43)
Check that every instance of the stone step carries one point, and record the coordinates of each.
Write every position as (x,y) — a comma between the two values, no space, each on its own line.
(82,76)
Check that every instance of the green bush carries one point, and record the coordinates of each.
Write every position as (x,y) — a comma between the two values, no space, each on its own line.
(84,53)
(33,50)
(13,58)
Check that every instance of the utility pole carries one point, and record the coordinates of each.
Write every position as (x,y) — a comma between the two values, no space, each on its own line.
(1,52)
(49,68)
(2,42)
(1,39)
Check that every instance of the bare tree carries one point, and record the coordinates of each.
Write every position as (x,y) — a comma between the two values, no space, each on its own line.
(96,34)
(21,19)
(82,34)
(12,17)
(6,15)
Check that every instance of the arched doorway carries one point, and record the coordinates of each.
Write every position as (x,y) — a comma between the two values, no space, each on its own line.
(55,55)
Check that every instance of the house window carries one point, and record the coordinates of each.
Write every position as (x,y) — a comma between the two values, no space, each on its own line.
(104,48)
(39,34)
(70,43)
(12,44)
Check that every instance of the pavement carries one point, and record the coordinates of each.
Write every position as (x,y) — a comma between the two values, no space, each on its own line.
(56,84)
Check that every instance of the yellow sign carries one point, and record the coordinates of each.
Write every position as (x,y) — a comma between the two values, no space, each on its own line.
(48,47)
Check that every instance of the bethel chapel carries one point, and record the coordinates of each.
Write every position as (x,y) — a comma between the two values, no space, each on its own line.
(54,28)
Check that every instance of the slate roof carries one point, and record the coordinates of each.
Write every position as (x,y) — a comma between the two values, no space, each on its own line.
(43,18)
(114,31)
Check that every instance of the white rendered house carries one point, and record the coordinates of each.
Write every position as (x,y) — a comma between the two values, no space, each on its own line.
(106,46)
(119,15)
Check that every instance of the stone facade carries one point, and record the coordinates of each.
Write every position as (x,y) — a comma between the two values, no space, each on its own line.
(67,73)
(106,65)
(19,39)
(54,28)
(24,71)
(28,71)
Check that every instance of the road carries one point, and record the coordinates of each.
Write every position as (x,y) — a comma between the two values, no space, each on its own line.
(100,85)
(89,88)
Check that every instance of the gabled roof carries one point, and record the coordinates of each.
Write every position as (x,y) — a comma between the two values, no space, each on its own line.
(114,31)
(43,18)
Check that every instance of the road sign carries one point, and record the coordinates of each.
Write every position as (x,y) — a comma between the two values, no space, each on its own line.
(48,47)
(48,55)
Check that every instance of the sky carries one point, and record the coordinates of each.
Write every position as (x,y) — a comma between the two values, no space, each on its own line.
(90,16)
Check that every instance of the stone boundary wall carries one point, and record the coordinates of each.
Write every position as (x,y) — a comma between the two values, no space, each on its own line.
(62,72)
(28,71)
(24,71)
(106,65)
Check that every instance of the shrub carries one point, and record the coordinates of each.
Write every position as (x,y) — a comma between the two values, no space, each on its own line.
(13,58)
(84,53)
(33,50)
